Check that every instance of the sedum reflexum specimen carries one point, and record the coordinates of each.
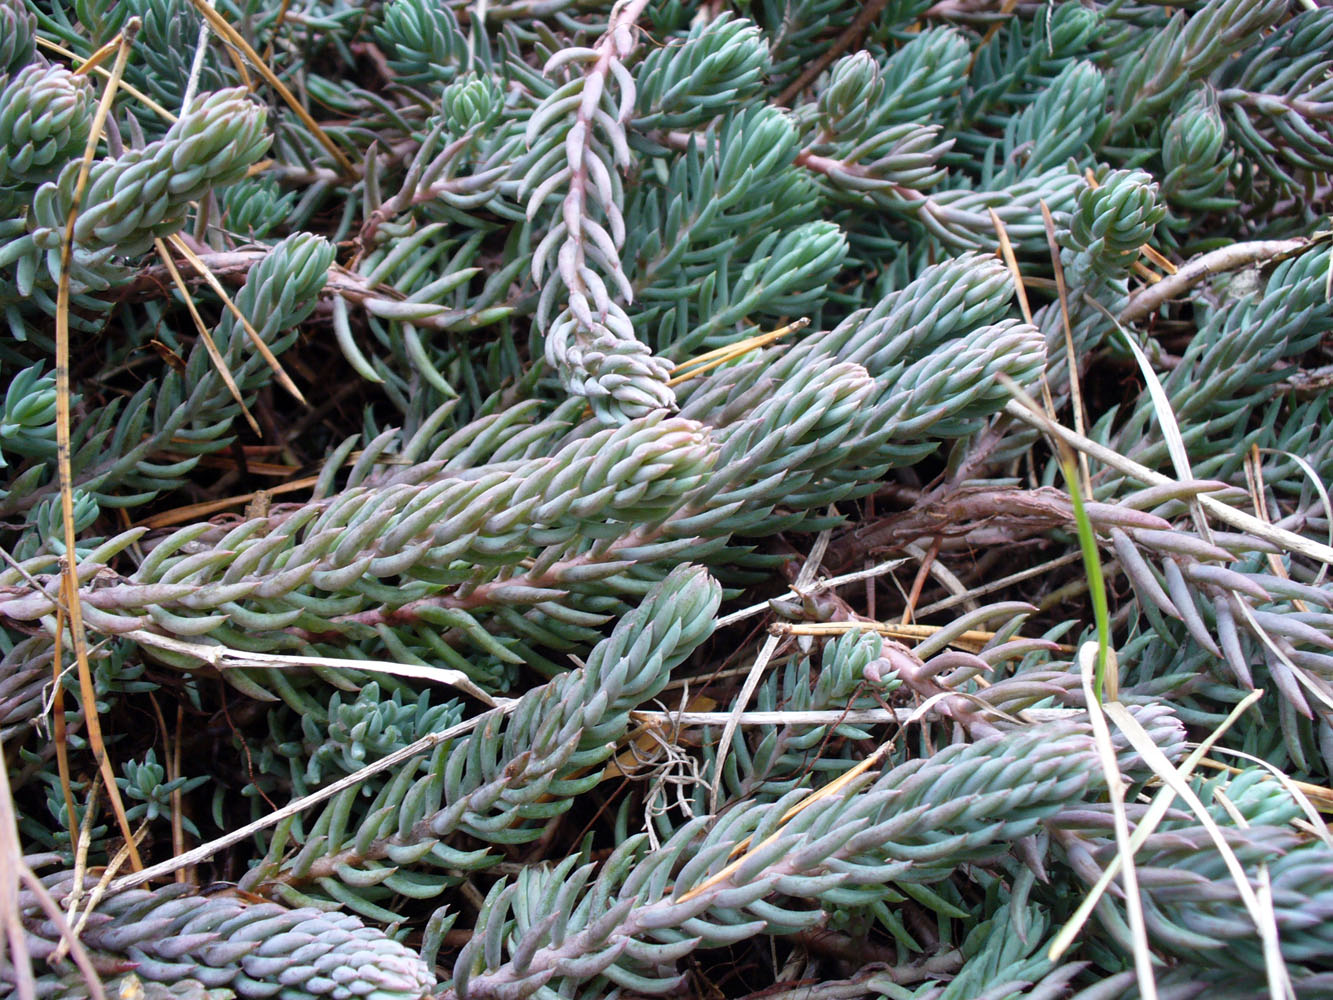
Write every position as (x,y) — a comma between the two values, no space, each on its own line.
(601,547)
(174,937)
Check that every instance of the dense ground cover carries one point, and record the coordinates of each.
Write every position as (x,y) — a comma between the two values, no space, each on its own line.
(718,500)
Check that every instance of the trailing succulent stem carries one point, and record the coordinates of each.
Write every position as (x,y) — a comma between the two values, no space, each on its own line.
(568,498)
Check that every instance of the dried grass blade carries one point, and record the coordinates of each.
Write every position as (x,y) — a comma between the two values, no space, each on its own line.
(1151,477)
(1254,480)
(803,579)
(1007,252)
(752,679)
(84,844)
(1313,686)
(1006,11)
(133,91)
(99,56)
(1279,987)
(817,588)
(1159,258)
(172,756)
(204,851)
(826,717)
(69,584)
(224,658)
(970,639)
(11,869)
(1075,386)
(980,590)
(1152,754)
(1145,272)
(178,837)
(919,582)
(1319,488)
(719,356)
(198,264)
(99,892)
(1311,798)
(1279,982)
(214,354)
(1115,785)
(1166,417)
(196,66)
(59,733)
(277,24)
(1161,802)
(76,949)
(234,38)
(832,788)
(196,511)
